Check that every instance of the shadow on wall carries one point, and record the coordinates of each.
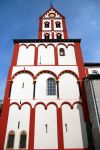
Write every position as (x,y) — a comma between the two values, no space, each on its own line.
(83,125)
(86,129)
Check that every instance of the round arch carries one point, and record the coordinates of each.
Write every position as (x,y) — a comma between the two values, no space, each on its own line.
(31,45)
(26,103)
(42,45)
(77,102)
(11,132)
(23,45)
(47,71)
(61,45)
(15,103)
(70,45)
(51,45)
(67,103)
(70,72)
(52,103)
(27,46)
(40,103)
(23,71)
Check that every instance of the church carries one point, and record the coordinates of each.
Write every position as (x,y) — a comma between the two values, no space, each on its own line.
(45,104)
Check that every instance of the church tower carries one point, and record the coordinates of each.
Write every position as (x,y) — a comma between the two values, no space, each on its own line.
(45,104)
(52,25)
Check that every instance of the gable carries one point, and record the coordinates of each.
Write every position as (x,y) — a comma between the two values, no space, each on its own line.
(52,12)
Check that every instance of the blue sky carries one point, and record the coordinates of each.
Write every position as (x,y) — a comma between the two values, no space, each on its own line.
(20,19)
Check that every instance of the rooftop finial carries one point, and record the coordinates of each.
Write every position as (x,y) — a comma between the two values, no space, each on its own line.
(51,5)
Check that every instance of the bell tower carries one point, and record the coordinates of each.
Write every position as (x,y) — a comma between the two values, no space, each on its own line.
(52,25)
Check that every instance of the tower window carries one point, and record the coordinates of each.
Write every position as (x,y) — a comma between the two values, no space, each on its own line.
(62,52)
(58,24)
(59,36)
(51,86)
(22,140)
(46,24)
(95,72)
(47,36)
(11,136)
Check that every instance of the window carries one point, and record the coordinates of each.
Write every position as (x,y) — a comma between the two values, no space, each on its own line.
(47,36)
(66,127)
(62,52)
(46,24)
(51,84)
(46,126)
(22,140)
(58,24)
(18,124)
(23,85)
(95,72)
(59,36)
(11,136)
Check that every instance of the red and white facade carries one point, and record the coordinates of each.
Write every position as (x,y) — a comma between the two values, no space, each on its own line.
(50,121)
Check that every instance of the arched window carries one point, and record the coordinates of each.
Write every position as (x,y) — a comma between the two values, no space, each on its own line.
(47,36)
(59,36)
(58,24)
(51,86)
(11,137)
(22,140)
(46,24)
(62,52)
(95,72)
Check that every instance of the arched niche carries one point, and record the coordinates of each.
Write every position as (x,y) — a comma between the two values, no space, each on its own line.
(18,121)
(42,87)
(26,55)
(74,125)
(45,54)
(46,127)
(69,57)
(22,87)
(68,87)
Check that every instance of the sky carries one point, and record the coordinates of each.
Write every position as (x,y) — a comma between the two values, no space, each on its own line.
(19,19)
